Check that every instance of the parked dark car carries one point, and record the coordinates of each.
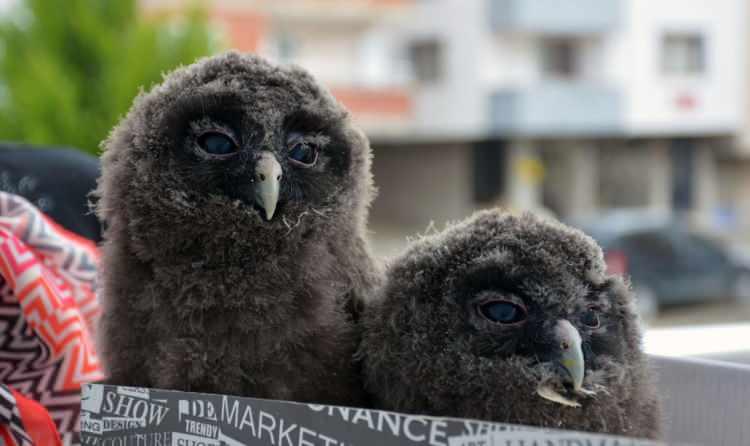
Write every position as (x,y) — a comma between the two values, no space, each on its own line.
(668,263)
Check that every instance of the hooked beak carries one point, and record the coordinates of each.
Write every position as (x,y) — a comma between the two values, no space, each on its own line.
(570,353)
(267,183)
(570,362)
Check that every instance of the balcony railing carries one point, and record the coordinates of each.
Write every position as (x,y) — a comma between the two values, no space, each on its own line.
(557,108)
(554,16)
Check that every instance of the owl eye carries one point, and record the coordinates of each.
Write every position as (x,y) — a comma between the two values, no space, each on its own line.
(217,143)
(591,318)
(503,312)
(303,154)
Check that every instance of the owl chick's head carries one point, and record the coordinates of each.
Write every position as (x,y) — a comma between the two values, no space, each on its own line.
(235,145)
(509,318)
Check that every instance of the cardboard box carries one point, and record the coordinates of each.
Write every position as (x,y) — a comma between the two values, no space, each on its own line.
(127,416)
(705,403)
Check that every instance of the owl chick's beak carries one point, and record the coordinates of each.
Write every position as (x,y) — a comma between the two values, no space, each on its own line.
(267,183)
(570,353)
(569,357)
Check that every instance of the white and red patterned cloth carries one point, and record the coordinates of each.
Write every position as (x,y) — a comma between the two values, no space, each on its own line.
(10,416)
(24,422)
(48,310)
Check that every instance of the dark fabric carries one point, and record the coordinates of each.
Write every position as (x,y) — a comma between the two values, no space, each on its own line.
(55,180)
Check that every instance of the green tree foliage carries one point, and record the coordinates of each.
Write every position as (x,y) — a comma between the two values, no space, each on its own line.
(70,69)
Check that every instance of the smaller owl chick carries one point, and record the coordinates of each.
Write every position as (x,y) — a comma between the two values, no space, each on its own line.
(510,319)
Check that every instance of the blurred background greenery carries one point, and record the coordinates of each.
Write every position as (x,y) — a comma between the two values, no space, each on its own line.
(69,72)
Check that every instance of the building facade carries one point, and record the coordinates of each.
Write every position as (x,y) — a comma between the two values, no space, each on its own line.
(600,105)
(604,104)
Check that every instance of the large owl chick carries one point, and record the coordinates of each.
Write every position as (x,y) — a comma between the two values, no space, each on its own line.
(235,196)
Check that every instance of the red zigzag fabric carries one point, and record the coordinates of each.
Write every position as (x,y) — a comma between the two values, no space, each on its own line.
(48,310)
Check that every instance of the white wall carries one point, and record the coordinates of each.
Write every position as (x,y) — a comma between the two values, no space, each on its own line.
(479,61)
(356,54)
(453,106)
(439,174)
(634,61)
(508,61)
(330,54)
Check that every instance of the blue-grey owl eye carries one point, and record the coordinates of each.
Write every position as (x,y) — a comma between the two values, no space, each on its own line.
(303,154)
(503,312)
(217,143)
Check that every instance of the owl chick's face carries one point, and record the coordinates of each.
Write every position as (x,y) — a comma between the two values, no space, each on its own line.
(271,151)
(509,319)
(560,325)
(232,147)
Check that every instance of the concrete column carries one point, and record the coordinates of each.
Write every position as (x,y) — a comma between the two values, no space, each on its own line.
(582,189)
(706,188)
(523,177)
(659,176)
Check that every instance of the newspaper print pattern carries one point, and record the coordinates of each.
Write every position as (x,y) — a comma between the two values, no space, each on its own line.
(127,416)
(48,309)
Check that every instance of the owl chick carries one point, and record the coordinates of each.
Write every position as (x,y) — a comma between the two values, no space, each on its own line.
(235,196)
(510,319)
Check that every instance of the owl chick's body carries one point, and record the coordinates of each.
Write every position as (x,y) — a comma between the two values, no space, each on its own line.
(511,319)
(235,196)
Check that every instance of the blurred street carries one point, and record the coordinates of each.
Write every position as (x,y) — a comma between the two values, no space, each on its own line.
(704,313)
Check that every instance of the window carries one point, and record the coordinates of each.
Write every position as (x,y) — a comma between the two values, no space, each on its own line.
(560,58)
(286,48)
(682,155)
(426,60)
(683,54)
(489,158)
(374,67)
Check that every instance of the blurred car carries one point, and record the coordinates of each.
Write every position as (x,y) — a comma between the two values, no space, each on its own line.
(668,263)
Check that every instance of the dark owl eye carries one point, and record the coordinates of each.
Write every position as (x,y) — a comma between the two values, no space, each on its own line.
(503,312)
(591,318)
(217,143)
(303,154)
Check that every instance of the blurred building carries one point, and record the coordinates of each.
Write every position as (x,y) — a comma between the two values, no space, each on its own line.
(471,103)
(601,104)
(347,44)
(735,169)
